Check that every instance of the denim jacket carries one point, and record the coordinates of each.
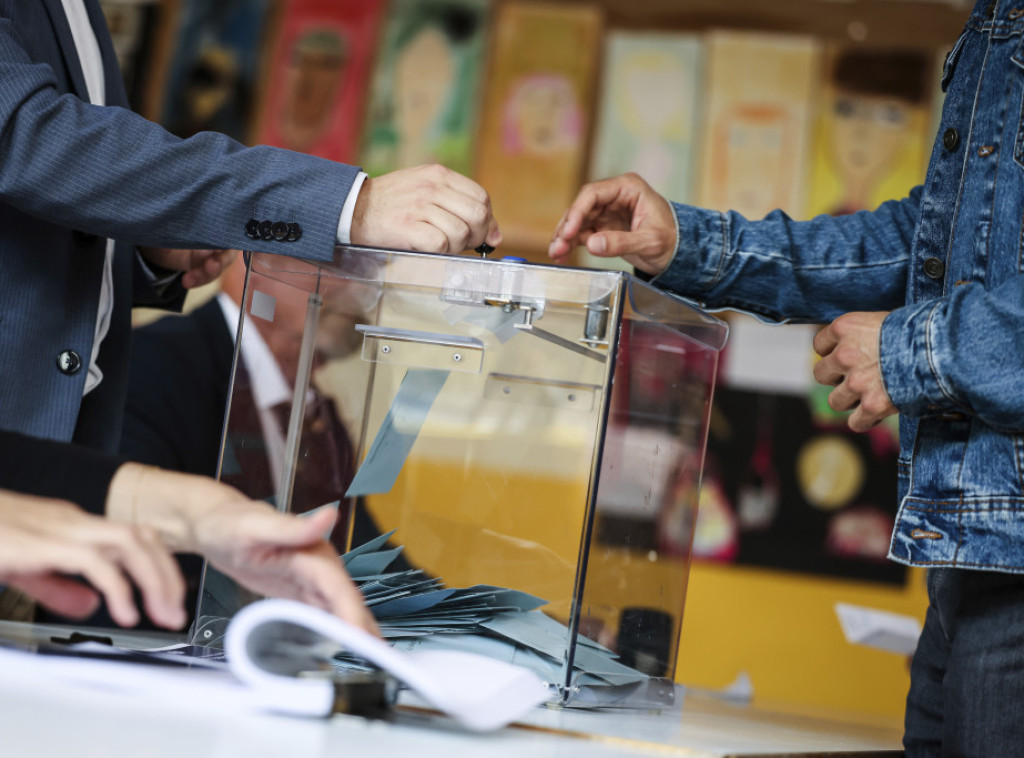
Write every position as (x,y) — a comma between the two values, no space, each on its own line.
(948,262)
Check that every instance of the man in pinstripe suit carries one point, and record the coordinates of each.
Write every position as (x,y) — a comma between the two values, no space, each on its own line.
(78,169)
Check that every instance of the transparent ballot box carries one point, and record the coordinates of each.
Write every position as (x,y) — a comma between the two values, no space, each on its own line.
(527,436)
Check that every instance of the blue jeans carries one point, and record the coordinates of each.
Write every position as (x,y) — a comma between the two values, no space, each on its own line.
(967,678)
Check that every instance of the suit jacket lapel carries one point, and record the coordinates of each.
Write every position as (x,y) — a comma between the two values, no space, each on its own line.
(67,47)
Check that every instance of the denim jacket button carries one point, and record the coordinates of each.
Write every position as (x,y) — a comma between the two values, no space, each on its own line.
(934,268)
(951,139)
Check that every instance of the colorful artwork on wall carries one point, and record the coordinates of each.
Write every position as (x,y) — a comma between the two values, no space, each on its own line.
(757,139)
(213,66)
(536,116)
(650,110)
(649,116)
(426,86)
(318,68)
(873,130)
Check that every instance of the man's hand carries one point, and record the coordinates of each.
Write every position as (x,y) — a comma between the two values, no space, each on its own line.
(200,266)
(621,216)
(426,208)
(850,362)
(268,552)
(43,541)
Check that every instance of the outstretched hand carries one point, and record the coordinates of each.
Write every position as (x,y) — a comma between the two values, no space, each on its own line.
(850,362)
(44,542)
(623,217)
(268,552)
(425,208)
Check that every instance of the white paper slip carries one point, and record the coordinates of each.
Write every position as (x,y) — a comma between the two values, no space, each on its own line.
(480,693)
(884,630)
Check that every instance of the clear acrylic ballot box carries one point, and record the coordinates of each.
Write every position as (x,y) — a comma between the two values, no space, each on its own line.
(506,424)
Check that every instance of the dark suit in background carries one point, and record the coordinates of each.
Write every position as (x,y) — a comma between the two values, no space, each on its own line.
(177,394)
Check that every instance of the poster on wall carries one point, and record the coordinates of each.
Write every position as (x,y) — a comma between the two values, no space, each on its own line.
(318,65)
(758,118)
(648,116)
(873,130)
(426,84)
(650,110)
(536,116)
(212,66)
(786,484)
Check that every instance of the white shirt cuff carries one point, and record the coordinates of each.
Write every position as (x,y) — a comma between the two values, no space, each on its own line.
(348,210)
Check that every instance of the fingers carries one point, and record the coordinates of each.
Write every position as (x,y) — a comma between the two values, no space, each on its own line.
(825,340)
(621,216)
(591,198)
(122,552)
(47,540)
(60,594)
(207,266)
(850,363)
(105,575)
(425,208)
(623,243)
(157,576)
(326,585)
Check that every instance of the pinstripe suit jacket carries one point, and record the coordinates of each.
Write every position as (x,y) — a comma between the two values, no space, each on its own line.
(72,174)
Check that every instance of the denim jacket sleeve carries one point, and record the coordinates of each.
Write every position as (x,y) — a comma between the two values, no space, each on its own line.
(960,353)
(786,270)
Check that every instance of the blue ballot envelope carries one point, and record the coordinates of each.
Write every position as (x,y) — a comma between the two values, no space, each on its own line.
(501,428)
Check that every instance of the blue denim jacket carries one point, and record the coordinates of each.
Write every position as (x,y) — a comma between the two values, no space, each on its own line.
(948,261)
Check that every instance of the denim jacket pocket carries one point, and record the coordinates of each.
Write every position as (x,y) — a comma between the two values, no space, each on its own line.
(949,66)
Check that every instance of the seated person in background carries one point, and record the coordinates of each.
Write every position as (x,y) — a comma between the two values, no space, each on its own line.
(267,552)
(178,392)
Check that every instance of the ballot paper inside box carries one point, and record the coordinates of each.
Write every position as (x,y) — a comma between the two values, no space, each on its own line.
(520,426)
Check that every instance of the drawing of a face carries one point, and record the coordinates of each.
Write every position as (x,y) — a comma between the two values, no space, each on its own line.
(311,84)
(542,116)
(874,96)
(424,75)
(754,166)
(868,135)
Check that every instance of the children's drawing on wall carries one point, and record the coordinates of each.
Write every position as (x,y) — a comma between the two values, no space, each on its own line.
(535,119)
(425,90)
(873,128)
(211,79)
(319,64)
(541,117)
(758,122)
(650,108)
(787,485)
(314,73)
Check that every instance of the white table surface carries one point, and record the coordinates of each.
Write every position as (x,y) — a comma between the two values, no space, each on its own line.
(48,720)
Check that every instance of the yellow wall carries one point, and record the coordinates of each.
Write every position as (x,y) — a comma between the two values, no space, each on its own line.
(780,628)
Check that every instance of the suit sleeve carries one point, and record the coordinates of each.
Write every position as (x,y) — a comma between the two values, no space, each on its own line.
(45,468)
(108,171)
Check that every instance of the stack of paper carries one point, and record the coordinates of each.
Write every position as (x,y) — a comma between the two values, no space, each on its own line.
(417,612)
